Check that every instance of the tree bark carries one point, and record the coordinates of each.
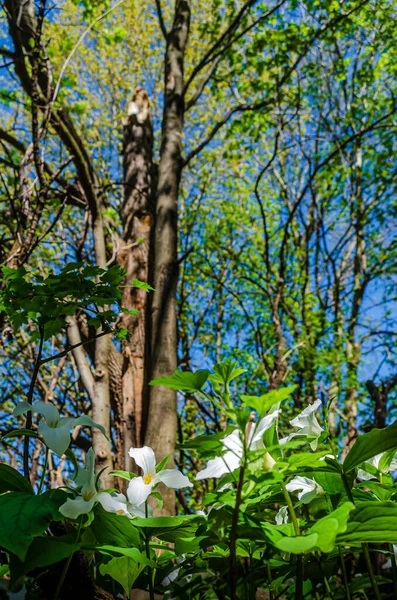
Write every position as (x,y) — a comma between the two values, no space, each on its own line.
(135,255)
(161,418)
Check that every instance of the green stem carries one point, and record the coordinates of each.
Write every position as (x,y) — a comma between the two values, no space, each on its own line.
(364,546)
(147,546)
(44,471)
(393,568)
(233,536)
(299,558)
(371,573)
(344,574)
(67,565)
(269,578)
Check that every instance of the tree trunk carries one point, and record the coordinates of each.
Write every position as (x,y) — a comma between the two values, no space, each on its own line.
(134,255)
(161,418)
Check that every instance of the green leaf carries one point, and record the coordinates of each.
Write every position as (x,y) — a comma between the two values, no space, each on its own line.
(371,522)
(263,403)
(12,481)
(44,551)
(23,517)
(320,537)
(170,528)
(183,381)
(298,544)
(124,570)
(20,432)
(116,530)
(142,285)
(162,464)
(227,371)
(133,311)
(369,445)
(123,474)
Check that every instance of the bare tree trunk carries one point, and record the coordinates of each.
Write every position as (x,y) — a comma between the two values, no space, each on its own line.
(134,255)
(161,418)
(359,283)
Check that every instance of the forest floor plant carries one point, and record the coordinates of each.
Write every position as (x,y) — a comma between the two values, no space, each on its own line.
(282,518)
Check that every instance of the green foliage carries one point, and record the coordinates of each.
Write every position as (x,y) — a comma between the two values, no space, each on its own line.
(183,381)
(48,301)
(375,442)
(272,507)
(24,516)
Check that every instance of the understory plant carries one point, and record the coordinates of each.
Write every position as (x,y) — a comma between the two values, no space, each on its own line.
(283,516)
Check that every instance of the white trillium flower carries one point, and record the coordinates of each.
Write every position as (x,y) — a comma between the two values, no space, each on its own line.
(282,516)
(55,430)
(307,422)
(89,495)
(231,460)
(309,488)
(375,461)
(140,488)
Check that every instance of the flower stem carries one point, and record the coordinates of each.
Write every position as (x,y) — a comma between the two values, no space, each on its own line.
(393,568)
(371,573)
(26,470)
(67,565)
(233,536)
(147,546)
(364,546)
(299,558)
(344,574)
(44,471)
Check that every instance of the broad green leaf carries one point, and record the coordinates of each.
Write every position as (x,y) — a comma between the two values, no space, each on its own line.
(183,381)
(116,530)
(369,445)
(297,544)
(124,570)
(170,528)
(321,536)
(12,481)
(330,526)
(44,551)
(373,522)
(24,516)
(263,403)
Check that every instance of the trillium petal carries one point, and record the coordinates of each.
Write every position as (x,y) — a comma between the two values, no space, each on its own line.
(139,511)
(308,488)
(173,478)
(21,408)
(233,443)
(263,425)
(138,491)
(114,504)
(307,421)
(144,458)
(56,438)
(219,466)
(74,508)
(300,483)
(48,410)
(282,516)
(86,421)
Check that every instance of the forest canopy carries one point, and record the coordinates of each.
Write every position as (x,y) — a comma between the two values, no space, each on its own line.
(198,299)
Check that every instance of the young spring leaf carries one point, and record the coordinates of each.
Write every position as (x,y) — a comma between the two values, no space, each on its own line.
(183,381)
(370,444)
